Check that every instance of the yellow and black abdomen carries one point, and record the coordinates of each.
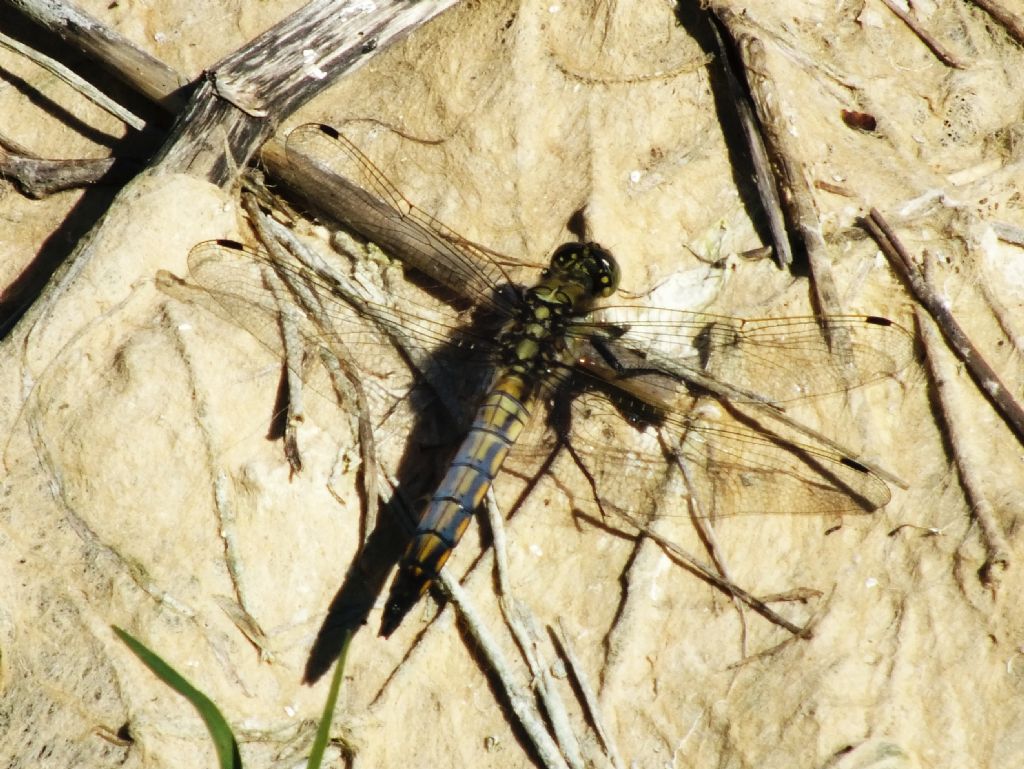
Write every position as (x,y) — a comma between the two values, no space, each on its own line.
(499,422)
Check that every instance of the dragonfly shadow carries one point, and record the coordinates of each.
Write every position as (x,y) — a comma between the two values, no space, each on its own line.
(432,440)
(363,584)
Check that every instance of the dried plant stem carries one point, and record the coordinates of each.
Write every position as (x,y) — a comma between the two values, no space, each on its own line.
(722,28)
(142,72)
(523,627)
(41,177)
(521,702)
(925,36)
(984,375)
(997,549)
(797,196)
(1013,23)
(237,107)
(80,84)
(588,695)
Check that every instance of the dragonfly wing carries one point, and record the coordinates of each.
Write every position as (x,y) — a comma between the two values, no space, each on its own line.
(769,469)
(235,277)
(732,465)
(231,284)
(359,328)
(362,198)
(709,386)
(774,360)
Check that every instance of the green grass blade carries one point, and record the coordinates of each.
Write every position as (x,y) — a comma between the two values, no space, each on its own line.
(316,753)
(223,740)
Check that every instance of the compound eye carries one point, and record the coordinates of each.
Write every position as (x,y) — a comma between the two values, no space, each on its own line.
(564,254)
(607,273)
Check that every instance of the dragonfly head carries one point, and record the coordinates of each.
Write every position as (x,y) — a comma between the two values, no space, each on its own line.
(586,270)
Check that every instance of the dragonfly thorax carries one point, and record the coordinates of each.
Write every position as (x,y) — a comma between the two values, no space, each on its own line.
(579,274)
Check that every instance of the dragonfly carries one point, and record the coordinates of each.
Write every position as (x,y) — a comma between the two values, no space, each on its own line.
(717,386)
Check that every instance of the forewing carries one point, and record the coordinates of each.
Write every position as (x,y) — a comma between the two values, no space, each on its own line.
(775,360)
(354,318)
(362,197)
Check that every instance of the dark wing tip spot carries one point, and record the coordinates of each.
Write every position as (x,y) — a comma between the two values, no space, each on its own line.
(228,243)
(330,131)
(878,321)
(855,465)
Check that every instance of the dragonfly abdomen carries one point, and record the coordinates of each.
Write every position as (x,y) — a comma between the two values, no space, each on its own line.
(499,422)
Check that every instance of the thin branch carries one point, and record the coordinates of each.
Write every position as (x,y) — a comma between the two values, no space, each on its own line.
(522,704)
(40,177)
(791,180)
(1012,23)
(706,531)
(347,384)
(288,322)
(984,375)
(344,376)
(1006,319)
(129,63)
(80,84)
(591,706)
(797,195)
(925,36)
(709,574)
(764,178)
(220,487)
(997,550)
(523,627)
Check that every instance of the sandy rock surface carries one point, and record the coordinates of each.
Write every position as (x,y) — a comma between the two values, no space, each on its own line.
(140,487)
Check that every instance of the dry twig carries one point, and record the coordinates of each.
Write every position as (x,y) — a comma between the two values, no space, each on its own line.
(522,704)
(588,695)
(1013,23)
(41,177)
(797,197)
(997,558)
(522,625)
(80,84)
(984,375)
(925,36)
(136,68)
(764,178)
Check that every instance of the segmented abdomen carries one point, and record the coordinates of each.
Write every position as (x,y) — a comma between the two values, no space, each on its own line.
(499,422)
